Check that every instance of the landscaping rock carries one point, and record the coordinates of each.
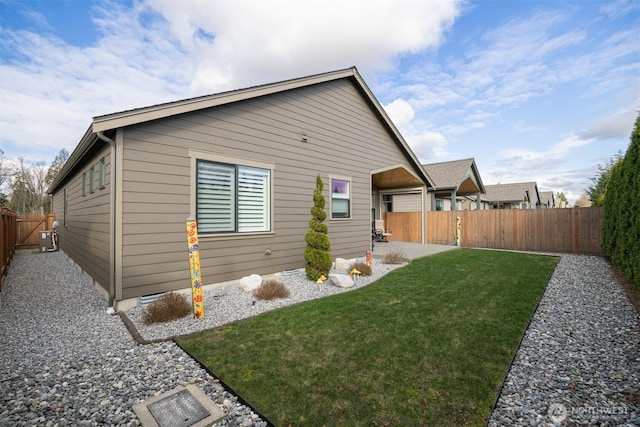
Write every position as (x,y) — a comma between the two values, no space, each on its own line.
(342,264)
(251,283)
(341,280)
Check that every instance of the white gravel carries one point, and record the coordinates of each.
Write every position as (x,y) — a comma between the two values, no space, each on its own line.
(228,304)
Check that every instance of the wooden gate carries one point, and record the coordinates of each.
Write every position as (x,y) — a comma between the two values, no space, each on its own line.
(29,228)
(7,240)
(404,226)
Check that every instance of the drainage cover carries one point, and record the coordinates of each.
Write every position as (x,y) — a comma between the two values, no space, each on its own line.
(181,409)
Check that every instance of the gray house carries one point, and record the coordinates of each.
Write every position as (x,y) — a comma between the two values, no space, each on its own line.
(547,199)
(456,183)
(244,164)
(520,195)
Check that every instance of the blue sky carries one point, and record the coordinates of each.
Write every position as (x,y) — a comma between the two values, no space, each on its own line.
(539,91)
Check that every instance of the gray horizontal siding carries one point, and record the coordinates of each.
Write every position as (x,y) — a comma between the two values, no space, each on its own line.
(86,237)
(344,138)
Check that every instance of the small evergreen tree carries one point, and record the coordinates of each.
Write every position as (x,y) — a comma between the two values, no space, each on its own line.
(598,188)
(316,255)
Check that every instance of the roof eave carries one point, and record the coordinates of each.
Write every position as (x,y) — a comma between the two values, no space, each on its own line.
(140,115)
(87,142)
(394,130)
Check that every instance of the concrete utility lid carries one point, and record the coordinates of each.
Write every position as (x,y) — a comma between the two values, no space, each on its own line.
(180,407)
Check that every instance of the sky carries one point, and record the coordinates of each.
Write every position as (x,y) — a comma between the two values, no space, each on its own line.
(543,91)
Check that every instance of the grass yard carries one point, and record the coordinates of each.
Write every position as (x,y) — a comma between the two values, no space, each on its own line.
(428,344)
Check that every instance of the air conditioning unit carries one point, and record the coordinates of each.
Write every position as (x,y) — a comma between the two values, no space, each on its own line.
(45,241)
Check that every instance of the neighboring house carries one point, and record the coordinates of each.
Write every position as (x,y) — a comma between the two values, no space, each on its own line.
(547,200)
(563,203)
(457,183)
(244,164)
(522,195)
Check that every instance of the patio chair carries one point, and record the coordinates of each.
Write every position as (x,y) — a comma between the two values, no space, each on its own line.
(381,233)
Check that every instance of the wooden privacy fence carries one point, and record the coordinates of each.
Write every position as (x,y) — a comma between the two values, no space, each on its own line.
(29,228)
(8,235)
(405,226)
(575,230)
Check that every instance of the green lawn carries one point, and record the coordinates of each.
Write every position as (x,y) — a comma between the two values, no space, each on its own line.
(428,344)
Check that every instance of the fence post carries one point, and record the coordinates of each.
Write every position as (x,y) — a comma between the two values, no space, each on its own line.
(514,238)
(575,231)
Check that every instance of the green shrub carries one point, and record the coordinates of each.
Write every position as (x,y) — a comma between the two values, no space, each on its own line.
(362,267)
(316,255)
(168,307)
(271,289)
(621,226)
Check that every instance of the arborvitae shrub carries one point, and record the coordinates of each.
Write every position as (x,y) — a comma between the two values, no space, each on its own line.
(622,211)
(316,255)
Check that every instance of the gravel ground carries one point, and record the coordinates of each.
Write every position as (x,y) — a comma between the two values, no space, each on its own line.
(66,362)
(579,361)
(228,304)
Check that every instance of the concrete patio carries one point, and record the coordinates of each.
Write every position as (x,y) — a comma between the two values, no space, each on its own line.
(409,250)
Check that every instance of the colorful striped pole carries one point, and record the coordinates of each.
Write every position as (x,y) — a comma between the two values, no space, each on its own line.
(194,264)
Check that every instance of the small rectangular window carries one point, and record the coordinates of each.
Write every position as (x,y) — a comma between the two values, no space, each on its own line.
(91,179)
(340,198)
(101,174)
(84,184)
(65,207)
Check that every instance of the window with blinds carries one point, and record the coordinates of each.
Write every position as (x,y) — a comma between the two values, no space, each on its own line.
(232,198)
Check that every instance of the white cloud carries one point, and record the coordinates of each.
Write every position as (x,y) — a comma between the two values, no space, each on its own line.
(619,124)
(156,51)
(428,145)
(619,8)
(256,42)
(400,112)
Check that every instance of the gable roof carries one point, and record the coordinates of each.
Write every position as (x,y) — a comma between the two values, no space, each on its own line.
(506,193)
(453,174)
(547,198)
(110,122)
(513,192)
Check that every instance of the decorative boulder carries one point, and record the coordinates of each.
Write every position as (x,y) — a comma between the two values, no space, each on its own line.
(341,280)
(342,264)
(250,283)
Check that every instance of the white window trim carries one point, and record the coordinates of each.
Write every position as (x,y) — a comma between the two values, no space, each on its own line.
(342,178)
(194,156)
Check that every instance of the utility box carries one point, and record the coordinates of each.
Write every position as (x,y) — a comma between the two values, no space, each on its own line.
(45,241)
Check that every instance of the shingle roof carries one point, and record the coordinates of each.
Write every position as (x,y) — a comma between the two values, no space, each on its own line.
(516,192)
(449,175)
(546,197)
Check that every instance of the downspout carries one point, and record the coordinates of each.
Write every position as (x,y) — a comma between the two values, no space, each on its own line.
(112,220)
